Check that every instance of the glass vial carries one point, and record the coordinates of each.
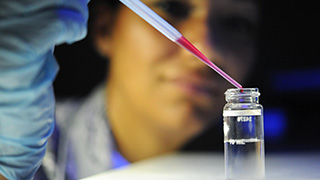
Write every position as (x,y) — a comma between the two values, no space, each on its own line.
(243,135)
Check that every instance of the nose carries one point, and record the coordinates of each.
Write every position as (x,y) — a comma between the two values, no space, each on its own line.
(197,31)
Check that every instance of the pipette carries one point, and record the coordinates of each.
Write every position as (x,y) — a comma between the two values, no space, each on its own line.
(174,35)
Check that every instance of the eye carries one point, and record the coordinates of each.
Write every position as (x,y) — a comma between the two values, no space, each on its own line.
(232,31)
(237,25)
(174,9)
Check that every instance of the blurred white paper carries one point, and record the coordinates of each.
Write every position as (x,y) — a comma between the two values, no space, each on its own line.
(171,167)
(202,166)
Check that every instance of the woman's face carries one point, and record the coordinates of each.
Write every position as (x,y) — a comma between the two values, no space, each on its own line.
(166,85)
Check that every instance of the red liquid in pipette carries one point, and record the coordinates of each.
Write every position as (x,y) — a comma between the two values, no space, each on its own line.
(183,42)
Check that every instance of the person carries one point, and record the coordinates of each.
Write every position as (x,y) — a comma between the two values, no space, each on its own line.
(157,96)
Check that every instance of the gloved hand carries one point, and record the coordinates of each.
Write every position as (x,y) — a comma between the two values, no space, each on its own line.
(29,30)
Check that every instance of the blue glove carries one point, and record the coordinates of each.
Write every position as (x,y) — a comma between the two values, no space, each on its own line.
(29,30)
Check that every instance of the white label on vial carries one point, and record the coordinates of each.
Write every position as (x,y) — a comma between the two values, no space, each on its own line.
(244,118)
(241,141)
(255,112)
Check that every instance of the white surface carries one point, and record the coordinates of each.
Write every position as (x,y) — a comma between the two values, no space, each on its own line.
(292,166)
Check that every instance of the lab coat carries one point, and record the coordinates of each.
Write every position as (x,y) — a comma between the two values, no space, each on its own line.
(82,143)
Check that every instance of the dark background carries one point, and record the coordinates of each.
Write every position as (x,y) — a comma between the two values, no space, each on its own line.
(288,76)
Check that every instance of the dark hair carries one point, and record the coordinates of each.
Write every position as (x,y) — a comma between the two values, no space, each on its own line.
(110,5)
(95,8)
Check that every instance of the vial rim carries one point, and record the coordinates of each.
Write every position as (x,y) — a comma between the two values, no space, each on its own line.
(242,92)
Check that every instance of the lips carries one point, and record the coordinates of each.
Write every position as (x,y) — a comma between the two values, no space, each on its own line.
(195,84)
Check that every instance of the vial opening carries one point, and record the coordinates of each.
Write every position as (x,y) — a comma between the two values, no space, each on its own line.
(242,95)
(242,92)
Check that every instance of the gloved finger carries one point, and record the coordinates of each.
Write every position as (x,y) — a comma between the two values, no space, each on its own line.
(52,21)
